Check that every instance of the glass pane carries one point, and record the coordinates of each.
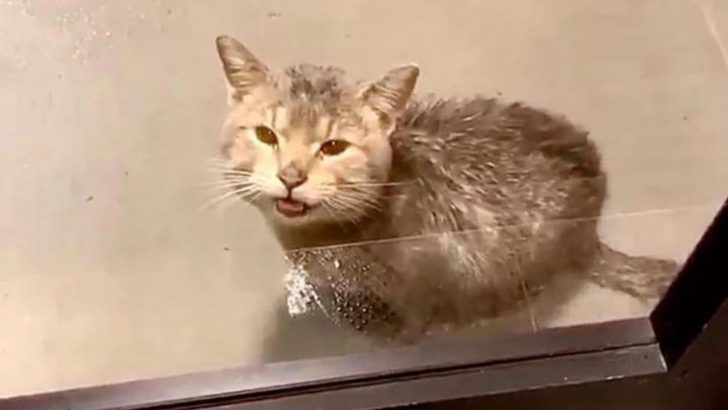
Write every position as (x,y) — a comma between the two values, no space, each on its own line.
(338,213)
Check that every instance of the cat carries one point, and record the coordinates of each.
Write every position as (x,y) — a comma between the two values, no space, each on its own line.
(412,214)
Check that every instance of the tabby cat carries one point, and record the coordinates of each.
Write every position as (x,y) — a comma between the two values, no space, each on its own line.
(408,215)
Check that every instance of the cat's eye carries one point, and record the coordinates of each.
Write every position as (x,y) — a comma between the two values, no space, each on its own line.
(266,135)
(333,147)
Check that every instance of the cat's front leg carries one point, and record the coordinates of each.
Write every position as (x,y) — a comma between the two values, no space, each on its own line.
(355,289)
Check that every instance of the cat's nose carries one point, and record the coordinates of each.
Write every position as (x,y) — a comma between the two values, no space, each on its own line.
(292,176)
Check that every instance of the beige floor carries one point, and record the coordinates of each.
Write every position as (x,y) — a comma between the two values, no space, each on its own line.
(109,109)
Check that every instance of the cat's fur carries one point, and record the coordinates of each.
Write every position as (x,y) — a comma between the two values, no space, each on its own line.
(438,213)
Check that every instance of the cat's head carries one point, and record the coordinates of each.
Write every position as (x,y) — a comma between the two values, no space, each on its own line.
(306,145)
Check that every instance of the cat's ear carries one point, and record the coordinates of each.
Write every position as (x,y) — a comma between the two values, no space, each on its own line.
(389,95)
(243,71)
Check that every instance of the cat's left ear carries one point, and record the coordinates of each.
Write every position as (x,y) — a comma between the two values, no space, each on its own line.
(388,97)
(243,71)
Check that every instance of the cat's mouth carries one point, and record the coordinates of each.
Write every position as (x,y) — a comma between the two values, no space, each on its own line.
(290,207)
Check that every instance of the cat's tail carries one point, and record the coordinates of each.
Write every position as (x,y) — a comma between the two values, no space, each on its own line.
(640,276)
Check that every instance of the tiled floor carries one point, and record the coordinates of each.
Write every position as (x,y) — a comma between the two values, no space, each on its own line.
(109,109)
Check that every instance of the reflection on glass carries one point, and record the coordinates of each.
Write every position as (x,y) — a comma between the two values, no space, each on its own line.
(400,209)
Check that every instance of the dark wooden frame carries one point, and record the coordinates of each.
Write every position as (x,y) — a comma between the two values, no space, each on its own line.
(676,359)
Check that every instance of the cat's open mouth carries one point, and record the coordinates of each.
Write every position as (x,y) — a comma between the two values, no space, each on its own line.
(290,207)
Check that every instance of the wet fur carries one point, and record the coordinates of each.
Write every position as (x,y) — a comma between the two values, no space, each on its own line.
(466,205)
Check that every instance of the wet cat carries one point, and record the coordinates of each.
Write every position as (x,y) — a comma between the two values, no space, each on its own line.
(408,215)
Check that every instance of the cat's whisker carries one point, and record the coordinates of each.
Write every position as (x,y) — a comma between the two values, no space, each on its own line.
(233,178)
(252,179)
(222,165)
(333,213)
(229,183)
(249,198)
(218,188)
(224,182)
(366,198)
(356,207)
(223,176)
(347,205)
(218,160)
(374,184)
(341,204)
(221,169)
(228,194)
(336,203)
(364,206)
(229,171)
(235,170)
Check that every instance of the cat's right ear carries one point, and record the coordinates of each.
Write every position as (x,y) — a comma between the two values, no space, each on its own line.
(243,71)
(389,96)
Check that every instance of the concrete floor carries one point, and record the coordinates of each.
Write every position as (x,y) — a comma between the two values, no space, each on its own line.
(110,109)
